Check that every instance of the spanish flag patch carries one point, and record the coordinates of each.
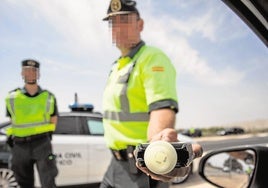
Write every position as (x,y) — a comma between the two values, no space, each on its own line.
(158,69)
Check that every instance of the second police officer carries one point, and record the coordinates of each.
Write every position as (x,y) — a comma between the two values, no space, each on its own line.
(33,112)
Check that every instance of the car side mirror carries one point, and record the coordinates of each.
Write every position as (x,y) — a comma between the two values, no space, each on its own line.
(235,167)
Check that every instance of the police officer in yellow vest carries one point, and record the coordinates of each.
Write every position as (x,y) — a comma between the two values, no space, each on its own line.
(140,101)
(33,114)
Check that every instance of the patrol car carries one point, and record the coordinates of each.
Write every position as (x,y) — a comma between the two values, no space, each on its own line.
(78,142)
(79,146)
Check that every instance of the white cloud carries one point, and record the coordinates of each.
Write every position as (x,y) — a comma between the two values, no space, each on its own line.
(194,25)
(79,23)
(188,60)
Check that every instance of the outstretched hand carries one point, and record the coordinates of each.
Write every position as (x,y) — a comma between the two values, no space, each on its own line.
(170,135)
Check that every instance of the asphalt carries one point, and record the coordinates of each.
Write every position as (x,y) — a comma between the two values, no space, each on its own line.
(227,137)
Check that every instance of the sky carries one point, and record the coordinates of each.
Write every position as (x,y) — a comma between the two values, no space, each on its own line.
(221,64)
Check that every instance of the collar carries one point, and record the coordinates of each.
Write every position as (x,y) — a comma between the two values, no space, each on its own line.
(135,49)
(122,61)
(25,92)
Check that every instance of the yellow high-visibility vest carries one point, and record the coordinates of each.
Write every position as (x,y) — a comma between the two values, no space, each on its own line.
(30,115)
(136,86)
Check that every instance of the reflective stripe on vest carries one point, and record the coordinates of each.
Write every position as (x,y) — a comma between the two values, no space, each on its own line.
(126,115)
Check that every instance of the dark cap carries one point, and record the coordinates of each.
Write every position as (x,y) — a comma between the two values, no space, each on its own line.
(121,7)
(30,63)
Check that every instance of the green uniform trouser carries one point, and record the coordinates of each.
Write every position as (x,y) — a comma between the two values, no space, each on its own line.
(118,176)
(25,155)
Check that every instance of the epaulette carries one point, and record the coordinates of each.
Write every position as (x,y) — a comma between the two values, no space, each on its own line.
(14,90)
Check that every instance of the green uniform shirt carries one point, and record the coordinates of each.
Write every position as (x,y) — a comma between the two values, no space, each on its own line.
(142,82)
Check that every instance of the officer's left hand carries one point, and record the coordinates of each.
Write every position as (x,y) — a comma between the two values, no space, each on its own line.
(170,135)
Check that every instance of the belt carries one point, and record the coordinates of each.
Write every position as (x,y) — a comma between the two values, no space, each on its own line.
(31,138)
(127,155)
(123,154)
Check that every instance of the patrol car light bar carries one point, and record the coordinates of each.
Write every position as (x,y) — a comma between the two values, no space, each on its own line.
(81,107)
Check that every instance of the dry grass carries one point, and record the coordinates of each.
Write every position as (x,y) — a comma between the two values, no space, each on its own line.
(251,127)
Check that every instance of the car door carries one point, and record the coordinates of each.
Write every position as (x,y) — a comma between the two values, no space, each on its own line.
(98,154)
(70,147)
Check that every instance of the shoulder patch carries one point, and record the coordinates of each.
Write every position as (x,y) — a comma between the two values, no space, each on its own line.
(158,69)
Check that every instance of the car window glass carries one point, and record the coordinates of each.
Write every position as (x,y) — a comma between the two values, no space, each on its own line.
(231,169)
(68,125)
(95,127)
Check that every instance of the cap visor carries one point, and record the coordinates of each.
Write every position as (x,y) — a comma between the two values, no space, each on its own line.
(116,13)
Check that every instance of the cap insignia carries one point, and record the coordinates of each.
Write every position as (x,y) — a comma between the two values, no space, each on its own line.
(31,63)
(116,5)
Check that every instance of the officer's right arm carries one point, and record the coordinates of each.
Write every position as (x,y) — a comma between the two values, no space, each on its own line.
(9,140)
(160,120)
